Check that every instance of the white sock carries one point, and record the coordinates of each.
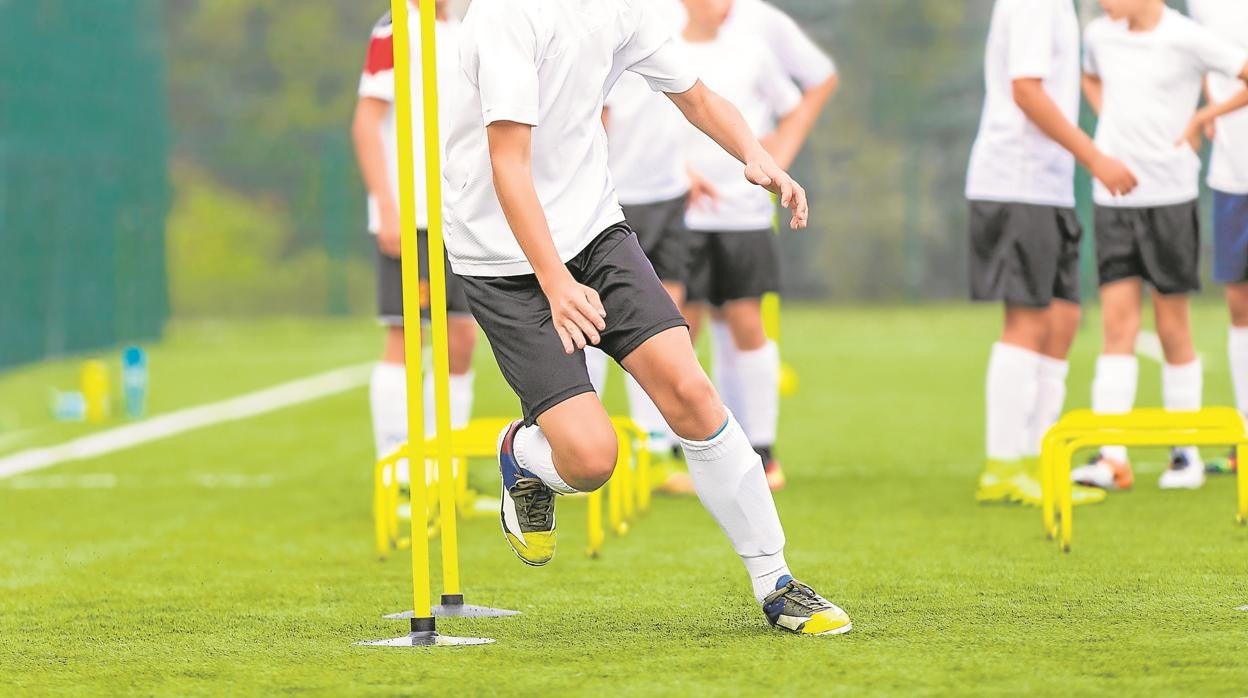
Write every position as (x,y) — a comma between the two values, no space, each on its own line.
(596,364)
(1113,391)
(1050,399)
(387,396)
(647,416)
(1010,400)
(723,368)
(728,477)
(759,373)
(534,455)
(1181,388)
(461,399)
(1237,351)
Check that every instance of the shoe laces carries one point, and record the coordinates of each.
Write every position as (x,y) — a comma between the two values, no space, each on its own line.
(536,502)
(805,598)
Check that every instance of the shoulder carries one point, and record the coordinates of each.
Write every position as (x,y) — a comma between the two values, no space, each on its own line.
(1100,28)
(384,26)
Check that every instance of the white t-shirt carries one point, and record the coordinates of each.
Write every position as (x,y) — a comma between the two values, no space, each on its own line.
(645,133)
(1152,82)
(549,64)
(1228,172)
(745,73)
(1012,159)
(377,82)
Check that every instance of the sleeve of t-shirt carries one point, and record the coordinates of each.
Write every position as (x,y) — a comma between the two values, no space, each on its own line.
(1089,51)
(1216,54)
(650,51)
(798,55)
(1031,37)
(505,42)
(781,94)
(377,80)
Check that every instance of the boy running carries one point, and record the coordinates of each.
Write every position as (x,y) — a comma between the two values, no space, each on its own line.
(535,229)
(1144,65)
(1024,236)
(375,143)
(1228,178)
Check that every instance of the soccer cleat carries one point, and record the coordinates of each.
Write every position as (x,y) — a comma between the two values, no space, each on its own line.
(1186,472)
(1224,466)
(775,475)
(795,607)
(1027,491)
(1104,473)
(996,482)
(528,505)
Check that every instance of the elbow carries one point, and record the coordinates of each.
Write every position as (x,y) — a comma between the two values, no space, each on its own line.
(1023,92)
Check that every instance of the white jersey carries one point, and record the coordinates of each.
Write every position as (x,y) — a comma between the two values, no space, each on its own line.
(377,82)
(745,73)
(1228,171)
(645,133)
(798,56)
(1012,159)
(1152,82)
(548,64)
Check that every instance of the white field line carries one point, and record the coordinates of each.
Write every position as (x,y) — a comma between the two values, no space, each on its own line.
(242,407)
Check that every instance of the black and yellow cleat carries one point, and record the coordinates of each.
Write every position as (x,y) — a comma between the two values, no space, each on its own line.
(528,506)
(796,608)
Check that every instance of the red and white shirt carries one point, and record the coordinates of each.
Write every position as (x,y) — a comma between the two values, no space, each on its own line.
(377,82)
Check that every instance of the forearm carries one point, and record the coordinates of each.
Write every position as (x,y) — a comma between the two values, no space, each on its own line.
(370,153)
(1092,92)
(1042,111)
(721,122)
(1217,111)
(513,182)
(795,127)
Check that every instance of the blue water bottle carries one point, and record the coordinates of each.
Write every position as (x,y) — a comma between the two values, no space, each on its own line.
(134,380)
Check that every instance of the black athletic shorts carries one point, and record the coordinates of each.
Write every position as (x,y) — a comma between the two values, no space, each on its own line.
(1024,254)
(662,234)
(516,318)
(390,288)
(1160,245)
(732,266)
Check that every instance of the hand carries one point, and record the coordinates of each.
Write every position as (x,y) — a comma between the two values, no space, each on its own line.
(576,312)
(1194,131)
(389,234)
(701,192)
(1116,177)
(769,176)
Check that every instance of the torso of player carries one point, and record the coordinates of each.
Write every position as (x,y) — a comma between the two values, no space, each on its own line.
(1228,169)
(1012,159)
(741,69)
(1151,89)
(644,135)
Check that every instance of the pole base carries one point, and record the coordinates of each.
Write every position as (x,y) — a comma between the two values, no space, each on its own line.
(453,606)
(424,634)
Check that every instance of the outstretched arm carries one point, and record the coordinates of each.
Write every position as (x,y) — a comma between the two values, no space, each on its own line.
(720,120)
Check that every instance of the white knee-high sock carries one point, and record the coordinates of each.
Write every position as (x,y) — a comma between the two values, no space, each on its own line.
(387,395)
(1113,391)
(647,416)
(461,399)
(1181,389)
(728,477)
(534,454)
(759,373)
(723,368)
(1237,351)
(596,365)
(1050,399)
(1010,400)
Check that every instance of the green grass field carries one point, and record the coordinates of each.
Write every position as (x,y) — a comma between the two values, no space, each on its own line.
(238,559)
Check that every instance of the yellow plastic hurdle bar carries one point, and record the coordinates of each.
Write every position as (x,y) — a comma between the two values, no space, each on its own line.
(628,492)
(1081,429)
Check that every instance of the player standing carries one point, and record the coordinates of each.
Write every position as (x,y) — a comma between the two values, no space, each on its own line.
(536,231)
(1228,178)
(1024,236)
(374,135)
(1144,65)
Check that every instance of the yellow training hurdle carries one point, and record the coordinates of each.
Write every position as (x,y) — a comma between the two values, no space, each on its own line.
(1081,429)
(627,493)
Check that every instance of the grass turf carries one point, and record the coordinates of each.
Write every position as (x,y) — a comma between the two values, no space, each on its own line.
(237,560)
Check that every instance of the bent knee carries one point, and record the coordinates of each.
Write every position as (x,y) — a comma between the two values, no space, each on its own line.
(589,460)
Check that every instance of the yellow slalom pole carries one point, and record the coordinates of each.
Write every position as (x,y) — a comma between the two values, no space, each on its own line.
(422,604)
(451,592)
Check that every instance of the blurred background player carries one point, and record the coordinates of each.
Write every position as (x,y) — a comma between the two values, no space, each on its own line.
(756,52)
(1144,66)
(1228,178)
(1024,236)
(373,132)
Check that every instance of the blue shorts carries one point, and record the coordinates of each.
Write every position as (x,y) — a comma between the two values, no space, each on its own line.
(1230,237)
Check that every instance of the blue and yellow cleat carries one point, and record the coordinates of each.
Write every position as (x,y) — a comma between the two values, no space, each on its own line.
(528,505)
(795,607)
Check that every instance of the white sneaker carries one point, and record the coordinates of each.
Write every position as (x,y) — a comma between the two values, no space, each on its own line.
(1186,471)
(1105,473)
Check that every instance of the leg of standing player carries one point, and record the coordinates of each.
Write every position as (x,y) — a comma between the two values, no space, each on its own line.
(1230,222)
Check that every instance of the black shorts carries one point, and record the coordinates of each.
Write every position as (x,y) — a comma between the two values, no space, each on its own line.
(1160,245)
(390,288)
(516,318)
(662,234)
(1024,254)
(732,266)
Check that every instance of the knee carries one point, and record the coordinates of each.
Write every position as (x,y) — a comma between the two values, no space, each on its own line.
(590,459)
(1237,302)
(699,410)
